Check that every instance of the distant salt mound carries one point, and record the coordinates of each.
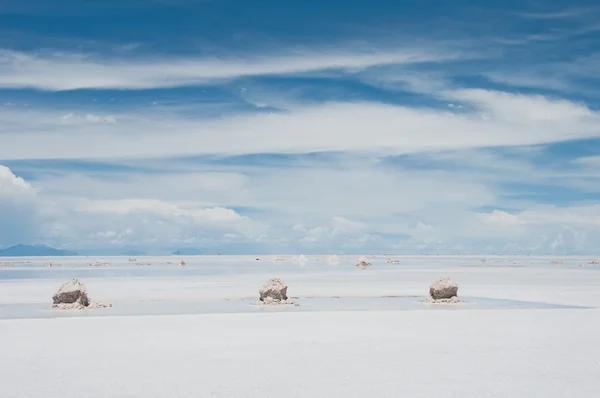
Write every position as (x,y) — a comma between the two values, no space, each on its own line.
(301,259)
(274,293)
(133,260)
(73,295)
(99,264)
(52,264)
(11,263)
(181,263)
(278,259)
(590,263)
(335,259)
(362,263)
(444,291)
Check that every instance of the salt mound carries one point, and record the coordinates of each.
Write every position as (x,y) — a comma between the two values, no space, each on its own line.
(301,259)
(133,260)
(73,295)
(362,263)
(10,263)
(99,264)
(278,259)
(333,259)
(72,292)
(274,293)
(444,289)
(181,263)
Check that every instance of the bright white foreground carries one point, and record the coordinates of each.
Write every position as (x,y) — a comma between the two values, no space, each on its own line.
(465,353)
(521,353)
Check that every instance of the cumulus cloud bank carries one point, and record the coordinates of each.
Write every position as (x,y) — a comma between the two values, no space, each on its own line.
(17,209)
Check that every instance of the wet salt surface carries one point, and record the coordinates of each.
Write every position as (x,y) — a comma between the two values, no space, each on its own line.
(32,311)
(152,267)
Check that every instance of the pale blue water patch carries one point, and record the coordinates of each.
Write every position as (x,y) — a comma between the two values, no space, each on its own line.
(124,269)
(77,267)
(28,311)
(120,267)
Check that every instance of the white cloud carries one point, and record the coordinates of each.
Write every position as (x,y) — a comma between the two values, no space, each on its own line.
(18,212)
(343,225)
(562,14)
(590,161)
(77,71)
(13,188)
(499,217)
(418,205)
(498,119)
(162,209)
(71,118)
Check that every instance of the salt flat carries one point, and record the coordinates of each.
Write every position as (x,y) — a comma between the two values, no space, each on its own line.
(460,352)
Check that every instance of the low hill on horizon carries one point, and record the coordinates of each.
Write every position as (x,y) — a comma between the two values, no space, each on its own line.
(34,250)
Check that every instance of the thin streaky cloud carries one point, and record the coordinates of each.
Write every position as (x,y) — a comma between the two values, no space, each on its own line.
(564,14)
(496,119)
(64,71)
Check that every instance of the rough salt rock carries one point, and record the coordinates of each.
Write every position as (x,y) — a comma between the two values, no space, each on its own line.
(73,295)
(443,289)
(274,293)
(72,292)
(362,263)
(181,263)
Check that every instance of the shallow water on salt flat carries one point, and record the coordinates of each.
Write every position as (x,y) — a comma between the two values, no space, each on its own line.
(150,267)
(28,311)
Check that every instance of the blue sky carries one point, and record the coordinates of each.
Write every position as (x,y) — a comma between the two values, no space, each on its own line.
(300,127)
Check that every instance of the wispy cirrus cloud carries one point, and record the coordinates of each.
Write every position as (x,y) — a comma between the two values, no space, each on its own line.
(490,119)
(69,71)
(561,14)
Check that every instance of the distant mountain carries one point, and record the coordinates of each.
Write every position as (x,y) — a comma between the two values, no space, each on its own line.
(34,250)
(187,252)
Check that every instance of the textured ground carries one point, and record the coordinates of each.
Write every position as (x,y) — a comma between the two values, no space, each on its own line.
(448,353)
